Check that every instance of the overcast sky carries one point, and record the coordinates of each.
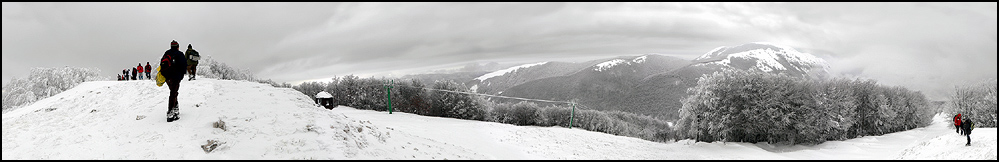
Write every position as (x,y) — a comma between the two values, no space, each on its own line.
(925,46)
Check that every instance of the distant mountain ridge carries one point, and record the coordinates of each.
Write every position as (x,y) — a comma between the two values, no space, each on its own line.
(766,57)
(648,84)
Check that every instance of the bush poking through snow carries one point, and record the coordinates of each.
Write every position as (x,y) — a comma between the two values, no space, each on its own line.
(312,128)
(211,146)
(220,125)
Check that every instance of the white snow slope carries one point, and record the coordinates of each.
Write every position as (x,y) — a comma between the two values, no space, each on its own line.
(98,120)
(507,70)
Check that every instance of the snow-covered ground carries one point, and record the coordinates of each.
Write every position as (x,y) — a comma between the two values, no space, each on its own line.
(504,141)
(101,120)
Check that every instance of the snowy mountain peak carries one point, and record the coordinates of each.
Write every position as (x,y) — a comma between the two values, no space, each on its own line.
(640,59)
(609,64)
(506,71)
(763,56)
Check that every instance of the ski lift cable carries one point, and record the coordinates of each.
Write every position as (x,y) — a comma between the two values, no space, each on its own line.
(528,99)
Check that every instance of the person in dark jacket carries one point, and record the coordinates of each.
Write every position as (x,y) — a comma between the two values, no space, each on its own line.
(192,61)
(124,73)
(173,65)
(967,126)
(148,70)
(133,73)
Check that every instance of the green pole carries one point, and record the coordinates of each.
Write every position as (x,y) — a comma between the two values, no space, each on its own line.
(389,89)
(571,114)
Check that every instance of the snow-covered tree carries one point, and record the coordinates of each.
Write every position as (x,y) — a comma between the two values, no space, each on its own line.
(977,102)
(209,67)
(411,97)
(311,88)
(455,105)
(524,113)
(838,105)
(755,106)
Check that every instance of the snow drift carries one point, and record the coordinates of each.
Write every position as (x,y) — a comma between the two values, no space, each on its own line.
(126,120)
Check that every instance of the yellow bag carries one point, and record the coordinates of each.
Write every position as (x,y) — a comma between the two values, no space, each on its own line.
(159,78)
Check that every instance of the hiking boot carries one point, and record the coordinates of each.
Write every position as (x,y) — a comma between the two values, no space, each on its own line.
(173,114)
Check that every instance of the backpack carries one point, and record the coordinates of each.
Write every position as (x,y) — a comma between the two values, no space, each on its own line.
(194,55)
(166,63)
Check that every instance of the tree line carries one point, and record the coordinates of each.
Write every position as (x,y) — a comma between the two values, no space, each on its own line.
(441,99)
(976,101)
(753,106)
(725,106)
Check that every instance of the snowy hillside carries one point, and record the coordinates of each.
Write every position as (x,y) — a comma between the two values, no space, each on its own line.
(610,64)
(506,71)
(763,56)
(125,120)
(504,141)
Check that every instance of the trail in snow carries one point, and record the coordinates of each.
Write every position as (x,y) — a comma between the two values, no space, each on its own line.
(504,141)
(126,120)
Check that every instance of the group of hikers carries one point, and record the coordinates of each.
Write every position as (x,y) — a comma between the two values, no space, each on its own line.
(192,57)
(136,73)
(173,66)
(964,127)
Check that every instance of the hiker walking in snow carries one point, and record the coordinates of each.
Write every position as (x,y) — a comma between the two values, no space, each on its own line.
(192,61)
(967,125)
(957,123)
(140,70)
(148,69)
(172,67)
(133,73)
(124,74)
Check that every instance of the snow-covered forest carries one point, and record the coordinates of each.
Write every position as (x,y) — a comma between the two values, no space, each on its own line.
(754,106)
(414,97)
(976,101)
(728,106)
(45,82)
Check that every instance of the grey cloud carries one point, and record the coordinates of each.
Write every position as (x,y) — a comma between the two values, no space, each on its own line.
(447,32)
(926,46)
(114,36)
